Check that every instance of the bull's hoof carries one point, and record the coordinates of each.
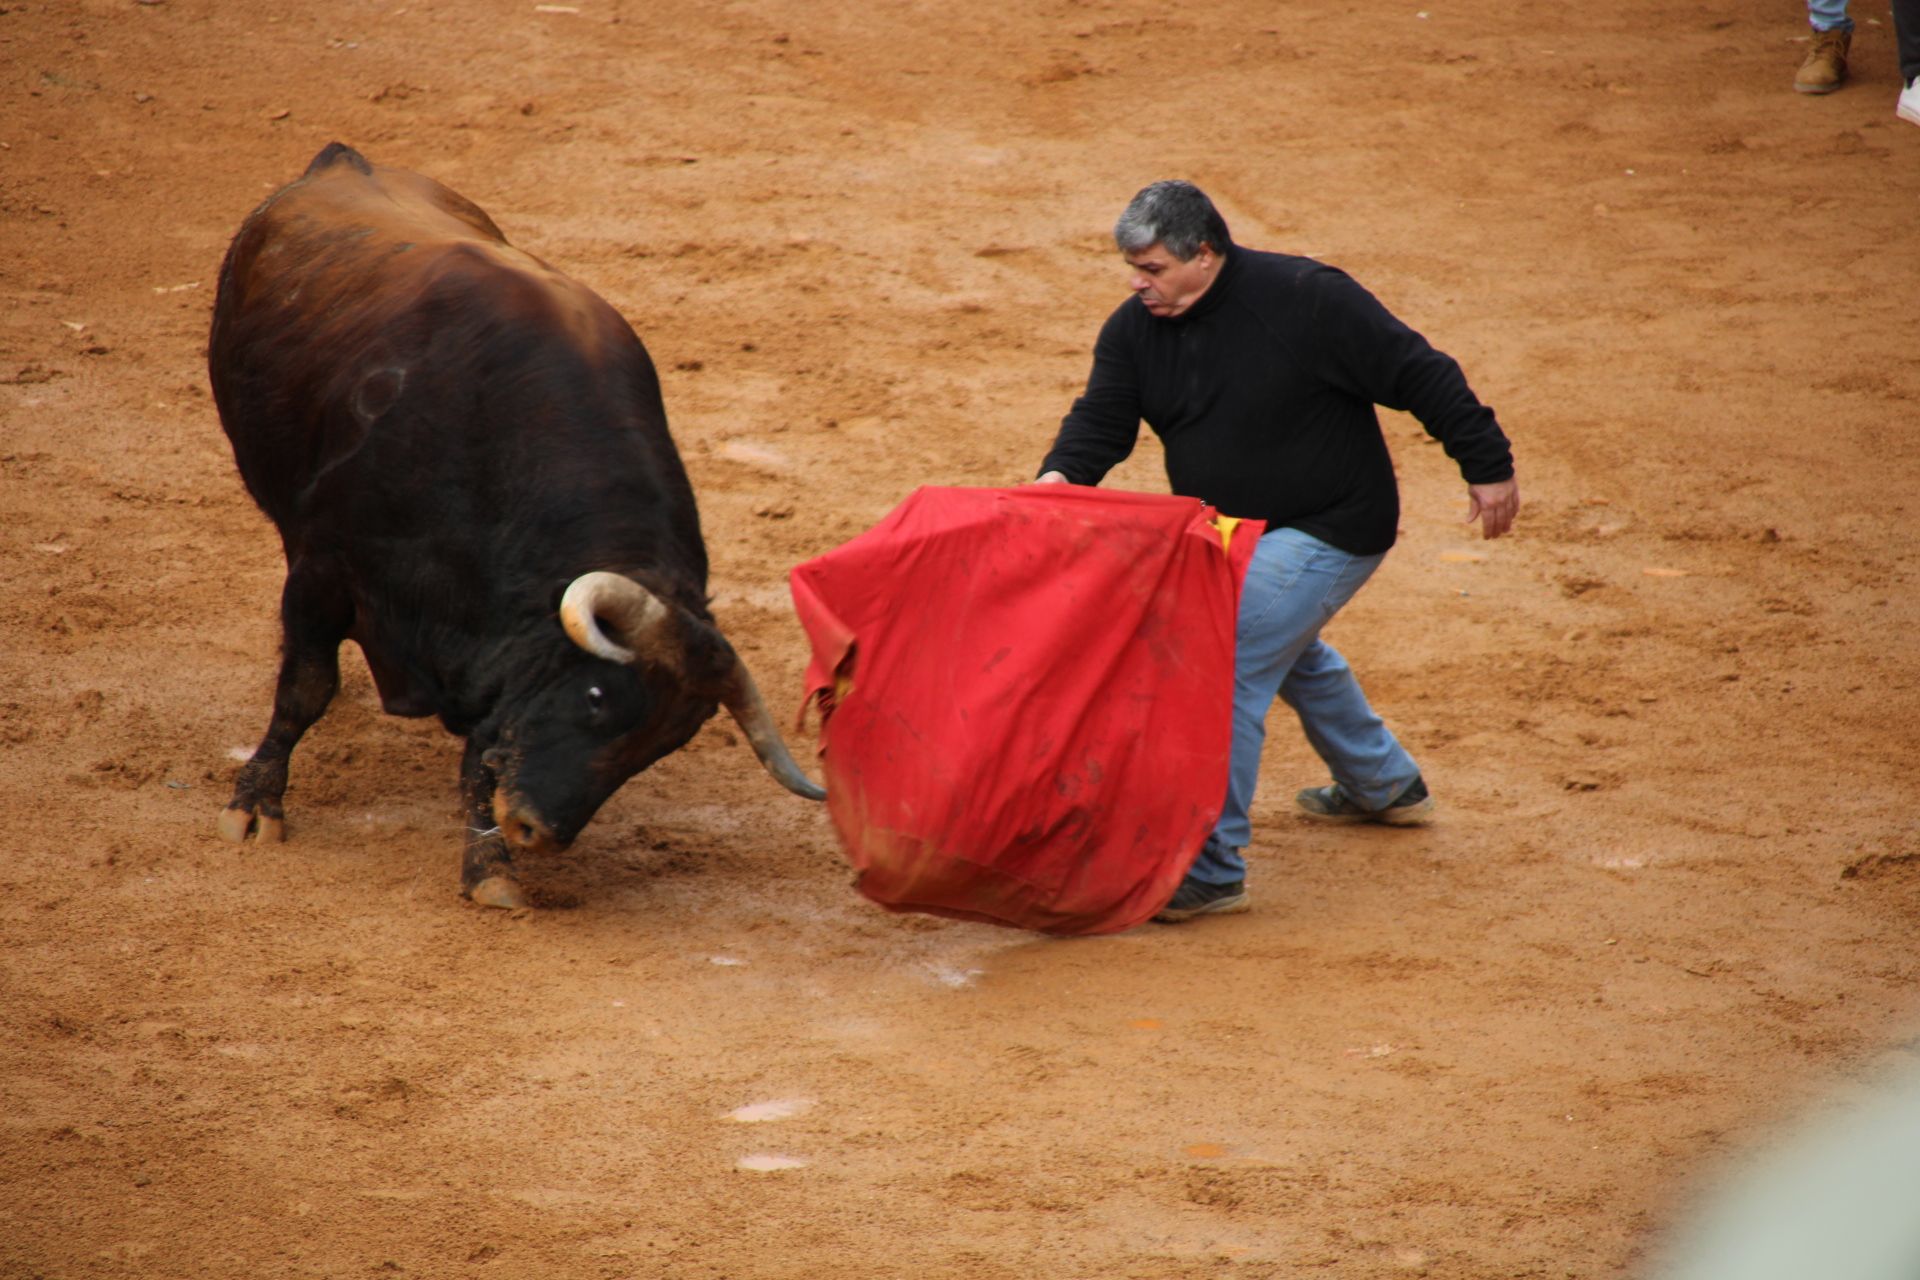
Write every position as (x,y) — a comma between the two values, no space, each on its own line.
(500,891)
(236,823)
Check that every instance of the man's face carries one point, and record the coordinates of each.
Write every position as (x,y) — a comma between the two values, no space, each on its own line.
(1166,285)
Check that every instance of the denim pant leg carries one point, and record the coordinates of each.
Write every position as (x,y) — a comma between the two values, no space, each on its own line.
(1294,584)
(1361,753)
(1825,15)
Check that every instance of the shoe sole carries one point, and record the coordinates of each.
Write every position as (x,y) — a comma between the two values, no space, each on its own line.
(1910,114)
(1409,815)
(1406,815)
(1220,907)
(1815,88)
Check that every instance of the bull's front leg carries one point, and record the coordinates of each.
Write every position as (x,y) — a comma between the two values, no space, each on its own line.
(314,618)
(486,869)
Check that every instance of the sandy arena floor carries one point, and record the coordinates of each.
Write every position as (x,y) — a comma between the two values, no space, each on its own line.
(1670,901)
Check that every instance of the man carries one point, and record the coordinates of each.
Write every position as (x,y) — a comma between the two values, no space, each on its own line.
(1260,372)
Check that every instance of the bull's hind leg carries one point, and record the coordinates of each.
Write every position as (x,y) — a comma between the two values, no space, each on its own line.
(314,617)
(486,869)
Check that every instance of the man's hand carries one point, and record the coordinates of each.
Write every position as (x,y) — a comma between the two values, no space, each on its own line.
(1051,477)
(1493,505)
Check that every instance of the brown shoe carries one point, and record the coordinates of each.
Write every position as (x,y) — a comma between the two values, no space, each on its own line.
(1826,64)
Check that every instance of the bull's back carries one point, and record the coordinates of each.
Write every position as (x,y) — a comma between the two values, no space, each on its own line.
(358,294)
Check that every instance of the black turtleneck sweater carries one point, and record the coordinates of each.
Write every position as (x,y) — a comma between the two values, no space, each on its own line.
(1263,394)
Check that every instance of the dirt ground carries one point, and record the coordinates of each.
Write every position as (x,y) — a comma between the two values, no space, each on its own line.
(1671,896)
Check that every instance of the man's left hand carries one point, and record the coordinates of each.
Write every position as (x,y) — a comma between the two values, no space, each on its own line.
(1494,506)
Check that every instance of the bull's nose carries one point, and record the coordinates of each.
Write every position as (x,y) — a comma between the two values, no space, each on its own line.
(516,828)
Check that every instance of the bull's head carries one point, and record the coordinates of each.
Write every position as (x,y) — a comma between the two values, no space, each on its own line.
(654,676)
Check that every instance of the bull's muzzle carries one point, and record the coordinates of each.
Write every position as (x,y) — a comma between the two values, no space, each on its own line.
(521,831)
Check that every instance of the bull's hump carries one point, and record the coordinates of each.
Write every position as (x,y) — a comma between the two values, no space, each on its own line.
(390,204)
(337,153)
(400,224)
(352,247)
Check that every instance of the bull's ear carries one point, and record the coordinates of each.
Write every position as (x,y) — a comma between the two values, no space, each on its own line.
(710,661)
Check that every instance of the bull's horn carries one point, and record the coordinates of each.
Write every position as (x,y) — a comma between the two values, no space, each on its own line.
(638,617)
(742,699)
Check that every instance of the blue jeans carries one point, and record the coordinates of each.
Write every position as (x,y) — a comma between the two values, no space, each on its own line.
(1294,586)
(1826,15)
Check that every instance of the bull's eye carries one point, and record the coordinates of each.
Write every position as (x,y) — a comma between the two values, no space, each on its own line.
(595,698)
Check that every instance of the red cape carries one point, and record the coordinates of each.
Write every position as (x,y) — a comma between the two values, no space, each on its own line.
(1027,699)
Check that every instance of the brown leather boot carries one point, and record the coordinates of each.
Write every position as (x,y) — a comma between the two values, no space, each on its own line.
(1826,64)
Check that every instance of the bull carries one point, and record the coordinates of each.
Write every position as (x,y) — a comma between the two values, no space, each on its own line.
(467,458)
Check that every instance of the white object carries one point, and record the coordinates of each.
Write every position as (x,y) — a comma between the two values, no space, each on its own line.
(1908,108)
(1835,1201)
(761,1112)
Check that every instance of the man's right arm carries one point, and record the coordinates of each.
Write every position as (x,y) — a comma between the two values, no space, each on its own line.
(1099,431)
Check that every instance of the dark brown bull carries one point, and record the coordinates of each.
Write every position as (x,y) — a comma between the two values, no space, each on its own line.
(468,461)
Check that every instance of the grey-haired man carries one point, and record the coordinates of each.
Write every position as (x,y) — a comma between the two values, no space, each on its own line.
(1260,372)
